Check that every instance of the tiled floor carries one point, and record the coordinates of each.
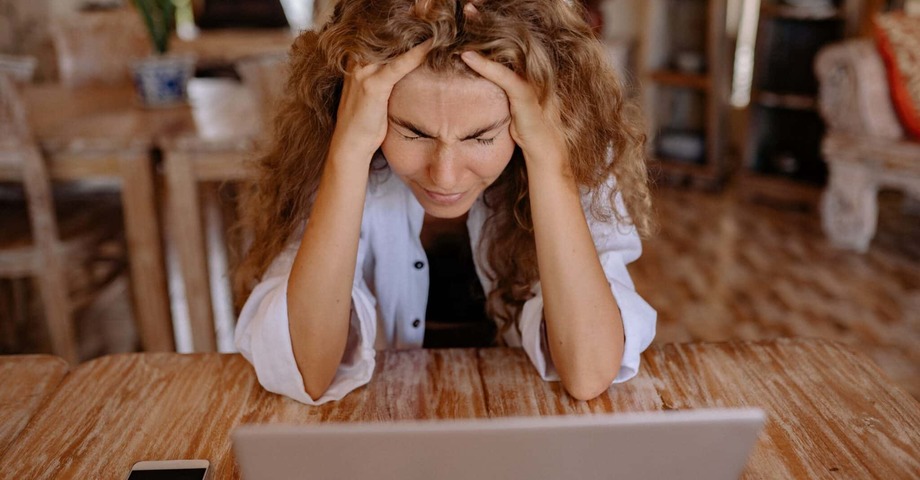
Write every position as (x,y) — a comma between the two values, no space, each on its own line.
(723,269)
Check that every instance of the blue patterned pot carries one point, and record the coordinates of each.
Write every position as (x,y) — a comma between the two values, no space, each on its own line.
(162,81)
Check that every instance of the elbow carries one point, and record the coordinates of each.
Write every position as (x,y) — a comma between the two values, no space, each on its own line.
(589,387)
(587,390)
(315,387)
(317,379)
(586,376)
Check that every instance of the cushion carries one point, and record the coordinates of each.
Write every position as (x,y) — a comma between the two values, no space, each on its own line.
(898,39)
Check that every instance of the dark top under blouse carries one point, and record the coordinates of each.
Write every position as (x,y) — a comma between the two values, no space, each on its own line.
(456,314)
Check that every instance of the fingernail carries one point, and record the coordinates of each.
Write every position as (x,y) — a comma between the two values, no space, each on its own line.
(468,55)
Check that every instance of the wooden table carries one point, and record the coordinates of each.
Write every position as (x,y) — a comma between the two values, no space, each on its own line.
(101,133)
(27,381)
(831,412)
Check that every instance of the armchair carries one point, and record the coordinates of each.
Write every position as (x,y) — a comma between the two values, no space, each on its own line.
(865,147)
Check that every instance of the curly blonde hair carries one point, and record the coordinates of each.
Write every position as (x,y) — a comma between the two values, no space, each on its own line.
(547,42)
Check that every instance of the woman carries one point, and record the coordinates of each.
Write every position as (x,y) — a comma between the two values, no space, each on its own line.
(406,122)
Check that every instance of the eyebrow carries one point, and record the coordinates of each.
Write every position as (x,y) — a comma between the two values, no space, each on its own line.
(422,133)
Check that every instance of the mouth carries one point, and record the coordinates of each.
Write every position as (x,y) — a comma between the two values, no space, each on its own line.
(443,198)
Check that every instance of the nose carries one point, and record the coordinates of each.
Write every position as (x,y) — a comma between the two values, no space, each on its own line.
(444,169)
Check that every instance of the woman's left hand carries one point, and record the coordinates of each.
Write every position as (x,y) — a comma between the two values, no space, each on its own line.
(535,128)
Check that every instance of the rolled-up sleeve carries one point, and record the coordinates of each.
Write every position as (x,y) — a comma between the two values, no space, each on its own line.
(617,245)
(263,336)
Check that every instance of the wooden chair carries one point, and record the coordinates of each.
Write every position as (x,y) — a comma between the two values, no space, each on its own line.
(19,68)
(194,168)
(57,247)
(197,254)
(97,47)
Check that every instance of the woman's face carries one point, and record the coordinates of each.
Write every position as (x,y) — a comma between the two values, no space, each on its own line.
(447,138)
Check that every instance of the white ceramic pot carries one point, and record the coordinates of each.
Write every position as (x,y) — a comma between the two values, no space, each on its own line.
(162,81)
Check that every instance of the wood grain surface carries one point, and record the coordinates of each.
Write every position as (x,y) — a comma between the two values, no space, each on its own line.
(26,381)
(831,412)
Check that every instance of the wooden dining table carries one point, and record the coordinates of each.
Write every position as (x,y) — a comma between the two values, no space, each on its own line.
(831,413)
(26,381)
(102,134)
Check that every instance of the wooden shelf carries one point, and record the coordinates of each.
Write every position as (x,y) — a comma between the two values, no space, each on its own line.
(696,81)
(678,165)
(682,171)
(686,100)
(789,101)
(801,13)
(779,190)
(781,124)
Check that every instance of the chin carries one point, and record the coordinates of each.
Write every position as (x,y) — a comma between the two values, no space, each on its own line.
(441,211)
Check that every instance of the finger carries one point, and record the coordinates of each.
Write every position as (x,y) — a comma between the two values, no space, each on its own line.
(357,69)
(514,86)
(422,7)
(351,64)
(400,66)
(470,10)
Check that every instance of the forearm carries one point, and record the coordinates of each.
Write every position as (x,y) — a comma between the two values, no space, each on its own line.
(583,323)
(319,288)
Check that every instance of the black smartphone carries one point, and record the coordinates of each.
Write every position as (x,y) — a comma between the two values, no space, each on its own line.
(170,470)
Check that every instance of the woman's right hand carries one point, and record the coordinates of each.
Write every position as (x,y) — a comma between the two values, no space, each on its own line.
(361,124)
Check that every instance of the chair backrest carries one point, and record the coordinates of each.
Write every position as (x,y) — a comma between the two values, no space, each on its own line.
(21,156)
(20,68)
(265,77)
(97,47)
(19,149)
(15,133)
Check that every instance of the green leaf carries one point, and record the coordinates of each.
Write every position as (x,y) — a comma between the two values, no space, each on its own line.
(159,17)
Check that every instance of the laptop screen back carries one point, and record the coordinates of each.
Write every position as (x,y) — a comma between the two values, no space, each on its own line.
(704,444)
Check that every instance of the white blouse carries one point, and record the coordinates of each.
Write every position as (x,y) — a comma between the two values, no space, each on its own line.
(390,293)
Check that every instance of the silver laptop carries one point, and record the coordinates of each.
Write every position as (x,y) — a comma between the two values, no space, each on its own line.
(693,444)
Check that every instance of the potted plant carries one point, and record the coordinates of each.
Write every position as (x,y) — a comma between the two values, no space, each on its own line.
(161,79)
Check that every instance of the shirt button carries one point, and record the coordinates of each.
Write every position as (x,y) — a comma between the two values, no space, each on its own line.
(419,265)
(416,323)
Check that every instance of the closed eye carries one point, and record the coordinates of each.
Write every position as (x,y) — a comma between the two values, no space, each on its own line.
(418,133)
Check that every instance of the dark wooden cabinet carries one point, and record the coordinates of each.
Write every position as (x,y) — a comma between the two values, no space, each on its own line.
(782,159)
(685,76)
